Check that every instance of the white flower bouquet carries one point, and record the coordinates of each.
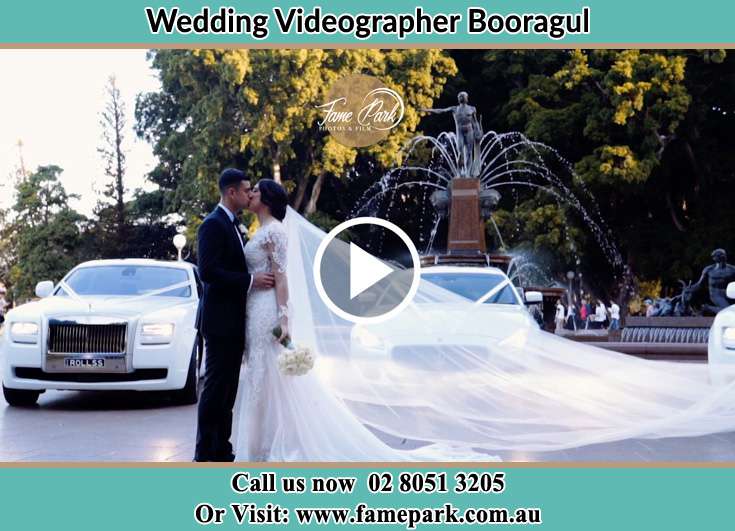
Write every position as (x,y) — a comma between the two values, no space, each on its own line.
(293,360)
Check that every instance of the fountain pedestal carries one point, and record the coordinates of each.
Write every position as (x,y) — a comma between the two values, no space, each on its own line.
(466,229)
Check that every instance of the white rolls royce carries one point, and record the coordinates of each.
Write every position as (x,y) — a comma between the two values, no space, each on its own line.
(107,325)
(721,343)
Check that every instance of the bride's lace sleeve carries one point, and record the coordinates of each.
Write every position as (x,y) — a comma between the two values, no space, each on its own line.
(276,245)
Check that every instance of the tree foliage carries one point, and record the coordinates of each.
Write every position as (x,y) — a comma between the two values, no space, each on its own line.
(256,109)
(647,132)
(45,233)
(112,229)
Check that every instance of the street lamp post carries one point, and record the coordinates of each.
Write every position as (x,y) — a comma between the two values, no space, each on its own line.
(179,243)
(570,278)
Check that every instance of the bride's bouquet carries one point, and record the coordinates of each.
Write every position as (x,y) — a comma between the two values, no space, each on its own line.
(293,360)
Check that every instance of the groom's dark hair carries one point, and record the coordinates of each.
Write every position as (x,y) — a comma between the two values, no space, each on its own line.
(230,177)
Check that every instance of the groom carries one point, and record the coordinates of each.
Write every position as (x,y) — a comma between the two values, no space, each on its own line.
(221,314)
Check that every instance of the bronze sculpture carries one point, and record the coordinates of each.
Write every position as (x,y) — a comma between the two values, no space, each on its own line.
(469,134)
(717,276)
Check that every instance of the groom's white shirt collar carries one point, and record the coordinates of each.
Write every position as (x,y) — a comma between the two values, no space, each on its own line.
(227,211)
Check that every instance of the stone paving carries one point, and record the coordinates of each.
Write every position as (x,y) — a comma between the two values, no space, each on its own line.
(127,426)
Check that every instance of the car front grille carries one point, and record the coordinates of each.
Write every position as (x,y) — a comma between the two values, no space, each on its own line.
(441,357)
(75,338)
(29,373)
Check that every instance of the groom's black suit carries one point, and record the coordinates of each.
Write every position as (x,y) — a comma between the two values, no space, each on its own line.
(221,320)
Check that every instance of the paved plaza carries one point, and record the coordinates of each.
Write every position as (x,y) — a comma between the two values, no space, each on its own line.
(129,426)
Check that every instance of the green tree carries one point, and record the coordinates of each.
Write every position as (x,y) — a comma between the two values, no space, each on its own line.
(112,230)
(45,232)
(6,250)
(646,133)
(256,109)
(540,227)
(151,232)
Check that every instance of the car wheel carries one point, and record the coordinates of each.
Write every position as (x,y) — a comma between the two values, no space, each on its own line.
(190,393)
(20,397)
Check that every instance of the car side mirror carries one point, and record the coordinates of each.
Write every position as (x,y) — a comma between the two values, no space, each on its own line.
(44,289)
(533,297)
(731,290)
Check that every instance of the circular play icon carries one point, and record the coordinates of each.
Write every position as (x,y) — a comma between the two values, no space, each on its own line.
(357,285)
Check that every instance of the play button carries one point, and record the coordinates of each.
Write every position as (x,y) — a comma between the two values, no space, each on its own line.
(366,270)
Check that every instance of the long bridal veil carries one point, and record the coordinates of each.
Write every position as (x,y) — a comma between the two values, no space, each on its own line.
(499,387)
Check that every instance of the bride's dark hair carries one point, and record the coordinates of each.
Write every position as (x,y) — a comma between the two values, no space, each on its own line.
(274,196)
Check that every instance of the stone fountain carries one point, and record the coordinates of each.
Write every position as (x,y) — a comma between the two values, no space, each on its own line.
(461,182)
(677,324)
(468,201)
(465,202)
(466,170)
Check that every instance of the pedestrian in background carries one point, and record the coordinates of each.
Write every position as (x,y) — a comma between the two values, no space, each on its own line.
(614,316)
(600,315)
(559,317)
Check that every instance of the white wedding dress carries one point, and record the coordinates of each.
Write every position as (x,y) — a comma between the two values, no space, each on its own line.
(292,418)
(501,387)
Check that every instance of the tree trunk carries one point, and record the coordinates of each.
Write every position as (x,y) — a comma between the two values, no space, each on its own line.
(672,211)
(315,191)
(276,172)
(303,184)
(695,167)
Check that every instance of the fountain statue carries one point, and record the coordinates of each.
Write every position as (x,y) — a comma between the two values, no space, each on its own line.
(462,180)
(717,276)
(470,196)
(465,202)
(469,134)
(676,320)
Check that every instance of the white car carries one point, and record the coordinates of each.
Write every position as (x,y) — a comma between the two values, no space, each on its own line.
(484,294)
(107,325)
(721,343)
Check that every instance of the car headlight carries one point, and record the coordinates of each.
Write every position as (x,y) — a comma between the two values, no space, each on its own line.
(24,332)
(367,339)
(728,337)
(156,333)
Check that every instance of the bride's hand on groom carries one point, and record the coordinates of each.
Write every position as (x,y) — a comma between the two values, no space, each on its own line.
(263,280)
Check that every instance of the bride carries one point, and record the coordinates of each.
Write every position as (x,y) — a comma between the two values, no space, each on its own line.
(288,418)
(523,389)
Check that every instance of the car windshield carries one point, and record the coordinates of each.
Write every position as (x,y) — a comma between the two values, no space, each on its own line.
(127,280)
(473,286)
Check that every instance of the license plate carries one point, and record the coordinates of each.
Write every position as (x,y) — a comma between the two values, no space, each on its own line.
(84,363)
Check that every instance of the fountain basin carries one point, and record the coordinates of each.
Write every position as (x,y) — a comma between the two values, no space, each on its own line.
(665,338)
(666,330)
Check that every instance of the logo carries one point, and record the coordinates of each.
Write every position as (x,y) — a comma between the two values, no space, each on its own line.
(360,110)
